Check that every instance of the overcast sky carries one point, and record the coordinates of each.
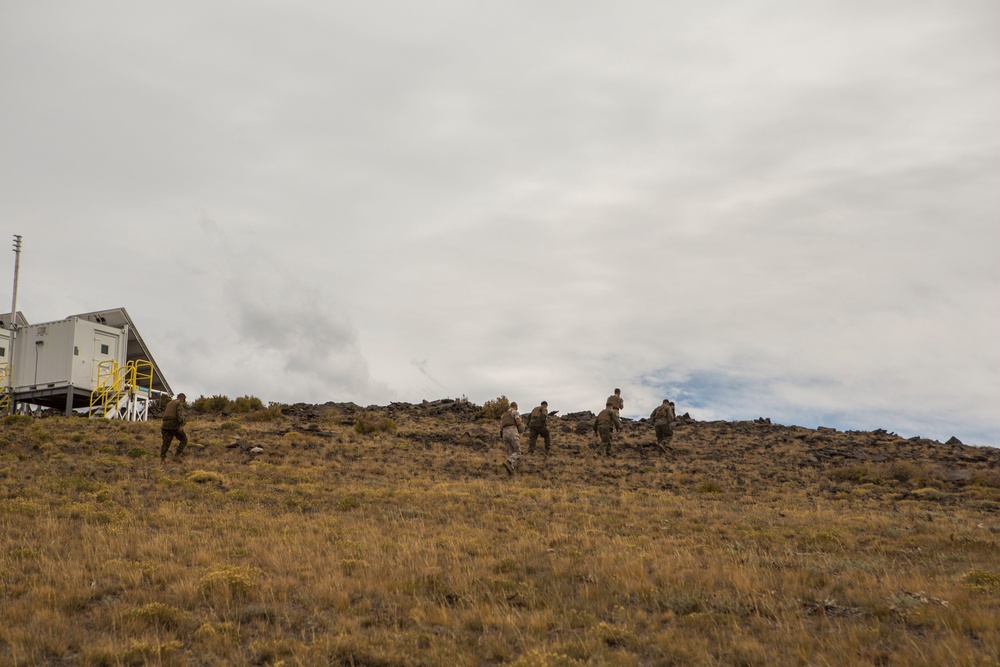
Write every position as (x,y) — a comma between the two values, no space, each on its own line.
(774,208)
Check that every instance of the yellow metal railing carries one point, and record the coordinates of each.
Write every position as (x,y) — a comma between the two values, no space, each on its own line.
(141,383)
(4,394)
(111,386)
(140,375)
(115,383)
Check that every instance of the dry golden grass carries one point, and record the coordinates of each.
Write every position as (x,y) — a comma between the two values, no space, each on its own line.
(751,544)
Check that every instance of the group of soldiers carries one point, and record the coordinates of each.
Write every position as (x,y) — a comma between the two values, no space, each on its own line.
(511,426)
(606,424)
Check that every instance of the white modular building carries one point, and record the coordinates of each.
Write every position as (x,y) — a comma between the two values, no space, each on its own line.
(93,361)
(5,347)
(65,353)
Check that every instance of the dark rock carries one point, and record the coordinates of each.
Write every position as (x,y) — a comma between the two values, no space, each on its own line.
(876,457)
(957,475)
(345,408)
(244,447)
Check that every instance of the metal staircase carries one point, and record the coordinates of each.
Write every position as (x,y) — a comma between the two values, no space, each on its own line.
(122,392)
(4,390)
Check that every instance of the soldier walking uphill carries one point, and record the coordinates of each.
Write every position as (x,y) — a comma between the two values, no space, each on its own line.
(538,426)
(510,432)
(174,418)
(616,403)
(606,422)
(663,421)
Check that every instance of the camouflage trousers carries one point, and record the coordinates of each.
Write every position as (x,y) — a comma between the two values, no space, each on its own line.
(605,435)
(170,430)
(664,432)
(511,445)
(534,433)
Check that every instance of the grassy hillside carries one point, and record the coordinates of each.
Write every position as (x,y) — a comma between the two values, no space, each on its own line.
(750,544)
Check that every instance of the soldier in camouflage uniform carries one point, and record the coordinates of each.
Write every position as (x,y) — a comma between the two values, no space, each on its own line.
(616,402)
(606,422)
(510,432)
(663,421)
(174,418)
(538,426)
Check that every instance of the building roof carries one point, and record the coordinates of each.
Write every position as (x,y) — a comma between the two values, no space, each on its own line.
(5,320)
(137,350)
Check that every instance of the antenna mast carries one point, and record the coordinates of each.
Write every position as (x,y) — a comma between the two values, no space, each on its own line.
(13,322)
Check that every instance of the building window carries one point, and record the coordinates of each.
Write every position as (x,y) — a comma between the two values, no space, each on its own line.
(3,352)
(104,349)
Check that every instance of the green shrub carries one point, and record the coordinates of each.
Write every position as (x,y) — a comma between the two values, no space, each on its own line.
(216,404)
(903,471)
(221,405)
(245,404)
(930,493)
(157,614)
(348,503)
(858,474)
(237,580)
(986,479)
(494,409)
(206,477)
(13,420)
(366,423)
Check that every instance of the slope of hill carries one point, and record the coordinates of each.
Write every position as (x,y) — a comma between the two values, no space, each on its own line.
(391,536)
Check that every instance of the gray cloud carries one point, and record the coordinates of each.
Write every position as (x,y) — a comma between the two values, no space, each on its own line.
(300,340)
(759,207)
(421,365)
